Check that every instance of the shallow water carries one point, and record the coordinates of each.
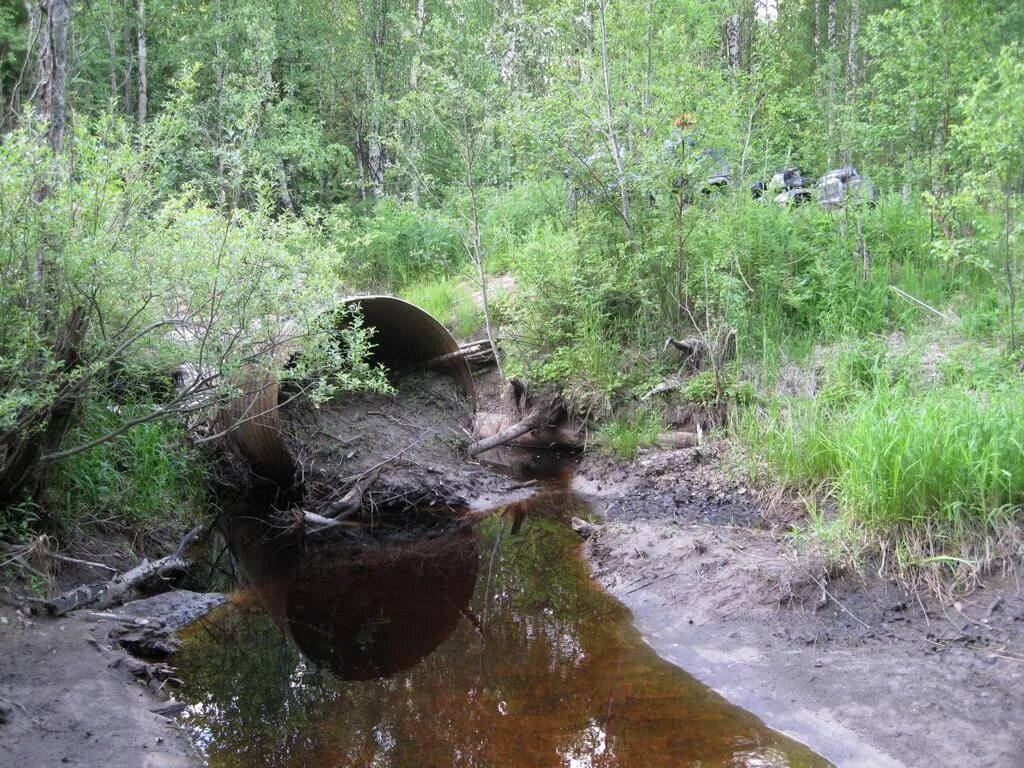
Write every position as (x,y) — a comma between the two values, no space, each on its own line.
(485,645)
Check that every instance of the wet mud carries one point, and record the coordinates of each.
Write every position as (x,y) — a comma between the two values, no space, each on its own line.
(848,663)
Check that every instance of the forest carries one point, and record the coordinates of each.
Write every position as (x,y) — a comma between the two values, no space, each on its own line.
(179,179)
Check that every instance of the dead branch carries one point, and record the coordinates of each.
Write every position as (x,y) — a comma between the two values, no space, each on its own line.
(518,429)
(113,592)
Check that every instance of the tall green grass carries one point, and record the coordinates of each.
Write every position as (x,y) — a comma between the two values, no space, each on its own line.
(450,301)
(626,435)
(140,480)
(937,477)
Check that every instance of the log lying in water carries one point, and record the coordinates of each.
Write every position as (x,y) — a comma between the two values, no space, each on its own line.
(488,426)
(115,591)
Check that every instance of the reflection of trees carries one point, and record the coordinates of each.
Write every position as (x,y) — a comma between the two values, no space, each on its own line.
(555,676)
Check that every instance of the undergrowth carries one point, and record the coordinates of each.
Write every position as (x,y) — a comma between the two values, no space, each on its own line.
(145,479)
(931,477)
(626,435)
(451,302)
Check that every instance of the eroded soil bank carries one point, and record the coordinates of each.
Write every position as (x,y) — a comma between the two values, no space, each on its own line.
(862,672)
(68,695)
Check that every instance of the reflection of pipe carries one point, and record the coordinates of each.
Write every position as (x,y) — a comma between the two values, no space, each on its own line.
(363,612)
(404,336)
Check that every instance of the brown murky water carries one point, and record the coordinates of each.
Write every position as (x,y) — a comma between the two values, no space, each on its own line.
(484,645)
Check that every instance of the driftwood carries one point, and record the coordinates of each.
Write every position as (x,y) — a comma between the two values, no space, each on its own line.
(678,440)
(507,435)
(475,352)
(115,591)
(147,672)
(352,501)
(529,412)
(564,434)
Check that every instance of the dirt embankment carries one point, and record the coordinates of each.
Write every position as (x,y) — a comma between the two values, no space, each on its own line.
(71,695)
(862,672)
(407,449)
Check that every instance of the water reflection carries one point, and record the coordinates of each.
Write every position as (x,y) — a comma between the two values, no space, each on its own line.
(531,665)
(361,609)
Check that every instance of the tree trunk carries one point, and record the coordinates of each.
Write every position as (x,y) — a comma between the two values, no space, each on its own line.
(140,31)
(115,591)
(375,161)
(613,138)
(22,474)
(852,60)
(832,64)
(477,250)
(732,41)
(283,192)
(112,55)
(33,63)
(414,83)
(53,58)
(510,62)
(518,429)
(376,16)
(128,42)
(817,35)
(1008,266)
(648,99)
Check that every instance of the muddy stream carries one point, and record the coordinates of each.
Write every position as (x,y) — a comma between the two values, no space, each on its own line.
(482,643)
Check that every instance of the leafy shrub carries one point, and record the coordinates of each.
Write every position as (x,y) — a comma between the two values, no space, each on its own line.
(703,389)
(397,245)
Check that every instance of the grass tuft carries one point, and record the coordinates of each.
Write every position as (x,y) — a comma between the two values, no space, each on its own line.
(450,302)
(936,479)
(627,435)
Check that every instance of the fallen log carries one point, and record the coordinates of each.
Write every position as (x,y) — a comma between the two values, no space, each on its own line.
(518,429)
(678,440)
(113,592)
(474,351)
(564,434)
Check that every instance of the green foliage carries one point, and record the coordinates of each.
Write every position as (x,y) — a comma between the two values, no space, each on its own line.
(706,389)
(19,521)
(934,471)
(299,151)
(337,358)
(450,301)
(161,283)
(146,478)
(625,436)
(399,244)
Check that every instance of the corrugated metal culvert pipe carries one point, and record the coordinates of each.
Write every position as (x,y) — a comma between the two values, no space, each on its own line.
(405,337)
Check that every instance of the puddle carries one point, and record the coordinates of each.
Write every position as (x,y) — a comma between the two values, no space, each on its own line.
(482,645)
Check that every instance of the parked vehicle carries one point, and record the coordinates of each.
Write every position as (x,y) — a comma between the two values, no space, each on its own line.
(715,164)
(844,185)
(789,187)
